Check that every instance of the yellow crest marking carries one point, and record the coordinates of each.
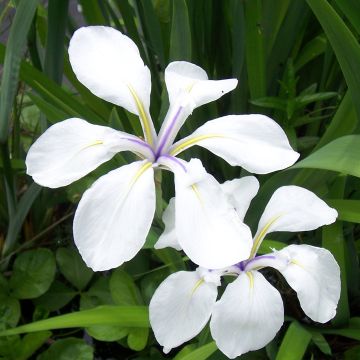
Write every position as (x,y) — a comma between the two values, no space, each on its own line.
(251,279)
(183,145)
(136,177)
(144,119)
(197,285)
(96,142)
(260,237)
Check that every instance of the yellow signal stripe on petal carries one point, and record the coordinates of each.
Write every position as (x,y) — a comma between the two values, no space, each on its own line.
(96,142)
(136,177)
(197,192)
(183,145)
(196,286)
(260,237)
(143,117)
(295,262)
(251,279)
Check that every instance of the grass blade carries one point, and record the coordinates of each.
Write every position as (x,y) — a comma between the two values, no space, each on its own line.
(180,41)
(129,316)
(341,155)
(297,338)
(16,42)
(344,44)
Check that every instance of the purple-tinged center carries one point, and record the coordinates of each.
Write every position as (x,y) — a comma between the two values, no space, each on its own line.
(251,263)
(167,133)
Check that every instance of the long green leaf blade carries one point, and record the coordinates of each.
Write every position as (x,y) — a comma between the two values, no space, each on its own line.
(344,44)
(297,339)
(341,155)
(17,39)
(130,316)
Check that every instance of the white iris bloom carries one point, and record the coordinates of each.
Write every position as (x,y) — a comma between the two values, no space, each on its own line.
(115,214)
(250,311)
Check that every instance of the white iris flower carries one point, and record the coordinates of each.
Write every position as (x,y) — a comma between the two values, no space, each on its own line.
(115,214)
(250,311)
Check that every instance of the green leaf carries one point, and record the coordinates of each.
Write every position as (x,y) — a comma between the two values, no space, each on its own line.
(9,311)
(320,341)
(10,74)
(338,127)
(137,338)
(200,353)
(17,221)
(33,273)
(348,210)
(341,155)
(129,316)
(69,348)
(255,49)
(30,343)
(344,44)
(54,53)
(311,50)
(73,267)
(54,93)
(107,332)
(180,37)
(125,292)
(56,297)
(123,289)
(297,338)
(99,294)
(267,246)
(351,9)
(352,331)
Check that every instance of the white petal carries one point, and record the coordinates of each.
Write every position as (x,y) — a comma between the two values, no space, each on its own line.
(240,192)
(106,62)
(180,308)
(187,80)
(72,148)
(207,226)
(255,142)
(248,315)
(315,275)
(188,87)
(114,216)
(168,237)
(293,208)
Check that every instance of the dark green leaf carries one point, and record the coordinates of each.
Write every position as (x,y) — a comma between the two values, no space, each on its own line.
(180,38)
(344,44)
(73,267)
(56,297)
(10,74)
(69,348)
(33,273)
(297,339)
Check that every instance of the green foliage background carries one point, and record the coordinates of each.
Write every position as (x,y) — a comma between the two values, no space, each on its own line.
(297,61)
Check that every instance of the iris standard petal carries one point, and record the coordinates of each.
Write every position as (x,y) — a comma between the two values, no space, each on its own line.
(168,237)
(293,208)
(248,315)
(114,216)
(315,275)
(108,63)
(186,79)
(240,192)
(72,148)
(180,308)
(188,87)
(255,142)
(207,226)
